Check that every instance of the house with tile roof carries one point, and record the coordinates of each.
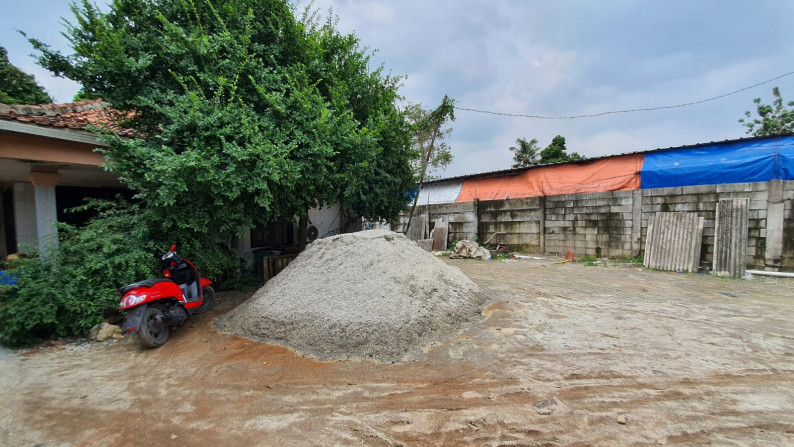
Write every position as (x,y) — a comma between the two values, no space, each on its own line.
(49,163)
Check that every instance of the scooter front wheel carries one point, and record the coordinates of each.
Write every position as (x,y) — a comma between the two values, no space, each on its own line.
(153,332)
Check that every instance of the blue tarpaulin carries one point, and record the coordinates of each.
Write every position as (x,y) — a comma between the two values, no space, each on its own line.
(742,161)
(6,279)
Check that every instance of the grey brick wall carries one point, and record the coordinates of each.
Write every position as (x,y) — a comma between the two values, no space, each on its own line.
(518,219)
(603,224)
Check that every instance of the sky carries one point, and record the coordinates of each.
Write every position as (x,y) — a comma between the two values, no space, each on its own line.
(549,58)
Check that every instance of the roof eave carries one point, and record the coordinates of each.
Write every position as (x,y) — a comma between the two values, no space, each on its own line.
(75,135)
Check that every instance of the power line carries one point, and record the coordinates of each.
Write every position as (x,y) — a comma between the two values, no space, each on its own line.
(623,111)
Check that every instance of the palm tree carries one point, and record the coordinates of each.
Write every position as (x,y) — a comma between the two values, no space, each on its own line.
(525,153)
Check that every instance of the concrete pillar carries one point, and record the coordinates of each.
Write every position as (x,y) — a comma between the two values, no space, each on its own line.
(476,209)
(636,222)
(774,224)
(46,209)
(542,226)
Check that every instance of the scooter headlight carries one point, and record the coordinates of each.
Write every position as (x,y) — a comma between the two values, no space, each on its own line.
(132,300)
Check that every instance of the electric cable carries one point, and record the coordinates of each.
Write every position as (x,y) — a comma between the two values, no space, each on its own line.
(648,109)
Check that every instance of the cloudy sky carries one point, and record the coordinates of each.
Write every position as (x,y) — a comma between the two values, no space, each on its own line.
(549,58)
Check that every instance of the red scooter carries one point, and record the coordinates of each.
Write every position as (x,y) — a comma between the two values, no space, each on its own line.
(155,305)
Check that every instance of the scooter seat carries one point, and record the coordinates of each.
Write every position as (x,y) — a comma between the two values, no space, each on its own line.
(144,283)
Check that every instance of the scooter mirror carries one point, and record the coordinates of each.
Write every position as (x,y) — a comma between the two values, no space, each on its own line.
(173,247)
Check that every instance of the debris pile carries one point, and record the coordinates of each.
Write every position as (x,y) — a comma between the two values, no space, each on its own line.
(470,250)
(373,294)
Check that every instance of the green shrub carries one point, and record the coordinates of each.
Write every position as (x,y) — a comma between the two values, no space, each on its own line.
(68,292)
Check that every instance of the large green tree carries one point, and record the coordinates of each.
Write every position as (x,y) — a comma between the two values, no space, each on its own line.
(245,112)
(525,153)
(775,119)
(18,87)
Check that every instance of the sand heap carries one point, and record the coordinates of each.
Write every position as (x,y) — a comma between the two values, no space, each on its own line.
(373,294)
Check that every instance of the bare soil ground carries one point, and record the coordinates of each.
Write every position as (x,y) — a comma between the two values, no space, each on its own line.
(566,355)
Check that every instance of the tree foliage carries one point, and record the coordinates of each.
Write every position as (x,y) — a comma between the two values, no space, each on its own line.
(775,119)
(556,152)
(18,87)
(525,153)
(247,114)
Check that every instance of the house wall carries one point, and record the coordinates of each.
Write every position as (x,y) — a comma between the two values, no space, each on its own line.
(326,220)
(615,223)
(49,150)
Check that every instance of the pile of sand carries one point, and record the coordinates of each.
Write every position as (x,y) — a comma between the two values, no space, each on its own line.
(373,294)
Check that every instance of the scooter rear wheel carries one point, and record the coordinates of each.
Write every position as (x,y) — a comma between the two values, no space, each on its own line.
(209,300)
(152,333)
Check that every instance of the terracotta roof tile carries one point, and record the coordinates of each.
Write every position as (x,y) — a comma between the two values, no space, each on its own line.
(73,115)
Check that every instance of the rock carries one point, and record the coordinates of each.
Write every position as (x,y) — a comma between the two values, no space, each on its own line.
(106,331)
(470,249)
(92,333)
(622,419)
(545,407)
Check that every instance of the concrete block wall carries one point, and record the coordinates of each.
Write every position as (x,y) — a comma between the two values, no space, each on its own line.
(598,224)
(703,200)
(615,223)
(462,218)
(519,220)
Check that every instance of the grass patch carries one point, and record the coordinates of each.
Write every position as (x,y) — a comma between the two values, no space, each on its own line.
(588,260)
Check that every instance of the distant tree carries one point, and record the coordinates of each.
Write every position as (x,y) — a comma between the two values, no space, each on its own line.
(428,140)
(525,153)
(775,119)
(556,152)
(429,155)
(18,87)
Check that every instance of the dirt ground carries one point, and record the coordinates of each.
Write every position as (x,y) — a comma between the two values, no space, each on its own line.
(566,355)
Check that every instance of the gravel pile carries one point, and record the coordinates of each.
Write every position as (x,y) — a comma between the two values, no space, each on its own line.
(373,294)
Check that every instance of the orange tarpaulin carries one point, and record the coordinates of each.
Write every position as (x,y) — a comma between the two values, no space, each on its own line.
(620,173)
